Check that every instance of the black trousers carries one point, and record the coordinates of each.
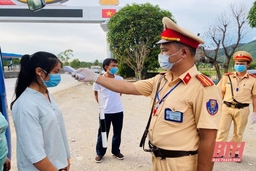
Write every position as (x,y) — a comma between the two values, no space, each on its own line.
(117,122)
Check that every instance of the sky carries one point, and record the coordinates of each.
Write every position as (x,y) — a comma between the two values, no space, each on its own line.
(88,41)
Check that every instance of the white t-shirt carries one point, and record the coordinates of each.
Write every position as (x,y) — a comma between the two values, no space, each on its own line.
(112,99)
(40,131)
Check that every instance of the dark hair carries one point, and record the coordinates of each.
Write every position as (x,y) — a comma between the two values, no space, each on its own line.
(28,64)
(107,62)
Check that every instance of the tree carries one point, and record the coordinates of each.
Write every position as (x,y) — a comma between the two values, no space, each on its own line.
(15,61)
(133,32)
(85,64)
(225,36)
(75,63)
(252,15)
(125,70)
(65,56)
(96,62)
(252,65)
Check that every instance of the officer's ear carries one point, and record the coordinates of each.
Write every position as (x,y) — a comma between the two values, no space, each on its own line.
(248,64)
(184,52)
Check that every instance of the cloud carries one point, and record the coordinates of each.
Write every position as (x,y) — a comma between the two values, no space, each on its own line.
(86,40)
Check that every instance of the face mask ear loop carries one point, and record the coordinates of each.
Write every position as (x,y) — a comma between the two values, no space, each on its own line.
(46,73)
(174,53)
(178,61)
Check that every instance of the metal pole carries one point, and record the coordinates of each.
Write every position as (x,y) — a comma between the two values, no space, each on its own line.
(102,120)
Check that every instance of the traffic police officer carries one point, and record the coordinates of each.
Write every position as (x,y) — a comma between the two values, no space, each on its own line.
(186,113)
(239,90)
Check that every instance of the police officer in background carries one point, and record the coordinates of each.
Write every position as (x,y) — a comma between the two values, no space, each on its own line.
(186,113)
(238,90)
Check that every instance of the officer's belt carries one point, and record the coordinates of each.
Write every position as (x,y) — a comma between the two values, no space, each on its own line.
(158,152)
(237,105)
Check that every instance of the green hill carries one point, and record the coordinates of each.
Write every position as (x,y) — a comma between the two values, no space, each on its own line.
(249,47)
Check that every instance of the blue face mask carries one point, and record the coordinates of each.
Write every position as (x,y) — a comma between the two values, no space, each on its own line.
(240,68)
(53,81)
(113,70)
(164,63)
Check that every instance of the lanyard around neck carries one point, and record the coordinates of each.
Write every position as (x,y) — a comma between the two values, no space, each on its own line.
(160,101)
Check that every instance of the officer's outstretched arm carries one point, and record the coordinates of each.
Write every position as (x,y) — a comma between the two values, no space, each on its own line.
(120,86)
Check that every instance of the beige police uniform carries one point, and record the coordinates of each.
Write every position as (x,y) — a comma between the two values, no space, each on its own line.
(193,98)
(243,91)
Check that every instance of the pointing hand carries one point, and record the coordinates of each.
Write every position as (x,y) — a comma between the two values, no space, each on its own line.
(85,75)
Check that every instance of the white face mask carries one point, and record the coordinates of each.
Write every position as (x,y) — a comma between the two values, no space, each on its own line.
(164,61)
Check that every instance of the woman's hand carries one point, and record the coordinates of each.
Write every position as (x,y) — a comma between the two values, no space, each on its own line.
(66,168)
(7,164)
(69,163)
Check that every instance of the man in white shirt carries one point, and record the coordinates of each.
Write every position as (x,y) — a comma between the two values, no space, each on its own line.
(113,111)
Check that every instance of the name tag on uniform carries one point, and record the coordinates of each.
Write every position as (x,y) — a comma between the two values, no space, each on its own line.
(176,116)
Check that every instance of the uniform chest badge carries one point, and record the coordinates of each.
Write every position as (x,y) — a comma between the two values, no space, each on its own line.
(212,106)
(174,116)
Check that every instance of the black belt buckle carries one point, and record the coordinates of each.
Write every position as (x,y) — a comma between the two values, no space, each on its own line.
(156,151)
(233,106)
(228,104)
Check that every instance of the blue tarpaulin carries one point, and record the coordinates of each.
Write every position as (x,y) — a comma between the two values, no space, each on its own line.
(3,100)
(9,56)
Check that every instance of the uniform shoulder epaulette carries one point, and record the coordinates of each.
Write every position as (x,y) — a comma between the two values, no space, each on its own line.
(253,75)
(204,80)
(228,73)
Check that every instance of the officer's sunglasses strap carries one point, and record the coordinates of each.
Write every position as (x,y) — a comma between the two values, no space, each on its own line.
(144,136)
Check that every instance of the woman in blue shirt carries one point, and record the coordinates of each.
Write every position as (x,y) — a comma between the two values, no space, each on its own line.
(41,135)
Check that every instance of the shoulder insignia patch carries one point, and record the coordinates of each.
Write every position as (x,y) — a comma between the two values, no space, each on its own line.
(212,106)
(253,75)
(204,80)
(228,73)
(187,78)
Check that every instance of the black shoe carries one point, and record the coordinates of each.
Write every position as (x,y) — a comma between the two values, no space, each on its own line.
(98,159)
(237,157)
(119,156)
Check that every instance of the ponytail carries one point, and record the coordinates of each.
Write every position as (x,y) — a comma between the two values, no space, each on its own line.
(23,79)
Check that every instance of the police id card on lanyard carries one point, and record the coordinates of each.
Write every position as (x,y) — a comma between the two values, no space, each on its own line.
(168,113)
(175,116)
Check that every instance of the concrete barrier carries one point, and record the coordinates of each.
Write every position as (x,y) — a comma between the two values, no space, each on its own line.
(11,74)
